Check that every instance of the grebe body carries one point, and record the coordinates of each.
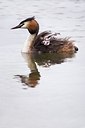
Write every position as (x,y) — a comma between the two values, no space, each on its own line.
(45,41)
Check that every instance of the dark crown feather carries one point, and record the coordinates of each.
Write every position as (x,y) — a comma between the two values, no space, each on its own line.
(28,19)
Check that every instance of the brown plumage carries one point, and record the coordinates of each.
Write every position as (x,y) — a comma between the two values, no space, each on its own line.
(53,43)
(45,41)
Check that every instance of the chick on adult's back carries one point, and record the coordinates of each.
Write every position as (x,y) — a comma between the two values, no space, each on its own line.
(45,41)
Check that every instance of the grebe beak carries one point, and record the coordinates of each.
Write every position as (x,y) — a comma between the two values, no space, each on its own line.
(18,26)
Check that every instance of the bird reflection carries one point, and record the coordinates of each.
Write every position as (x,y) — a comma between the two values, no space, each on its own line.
(48,59)
(41,59)
(32,79)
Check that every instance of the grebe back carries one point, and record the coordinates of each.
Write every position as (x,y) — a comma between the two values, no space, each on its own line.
(45,41)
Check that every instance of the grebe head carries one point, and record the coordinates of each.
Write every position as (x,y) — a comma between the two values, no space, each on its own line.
(30,23)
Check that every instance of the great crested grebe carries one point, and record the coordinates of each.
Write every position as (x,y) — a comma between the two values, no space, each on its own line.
(45,41)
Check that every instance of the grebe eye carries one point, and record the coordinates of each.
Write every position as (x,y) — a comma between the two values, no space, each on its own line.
(21,24)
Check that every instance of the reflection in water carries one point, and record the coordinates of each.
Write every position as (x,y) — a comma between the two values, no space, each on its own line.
(42,59)
(32,79)
(48,59)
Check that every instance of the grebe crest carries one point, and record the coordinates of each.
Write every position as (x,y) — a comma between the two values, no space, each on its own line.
(45,41)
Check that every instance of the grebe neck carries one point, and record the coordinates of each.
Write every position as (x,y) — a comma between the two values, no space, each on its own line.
(28,44)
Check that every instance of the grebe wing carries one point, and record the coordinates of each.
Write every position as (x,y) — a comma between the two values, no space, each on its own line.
(40,37)
(51,42)
(46,38)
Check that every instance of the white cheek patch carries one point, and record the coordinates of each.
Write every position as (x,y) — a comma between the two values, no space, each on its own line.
(26,24)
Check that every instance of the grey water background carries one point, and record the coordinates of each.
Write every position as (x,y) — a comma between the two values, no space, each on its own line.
(58,100)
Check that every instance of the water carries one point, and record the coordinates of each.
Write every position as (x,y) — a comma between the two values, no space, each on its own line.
(53,95)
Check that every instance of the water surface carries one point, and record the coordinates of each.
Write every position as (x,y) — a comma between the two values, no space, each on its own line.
(53,93)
